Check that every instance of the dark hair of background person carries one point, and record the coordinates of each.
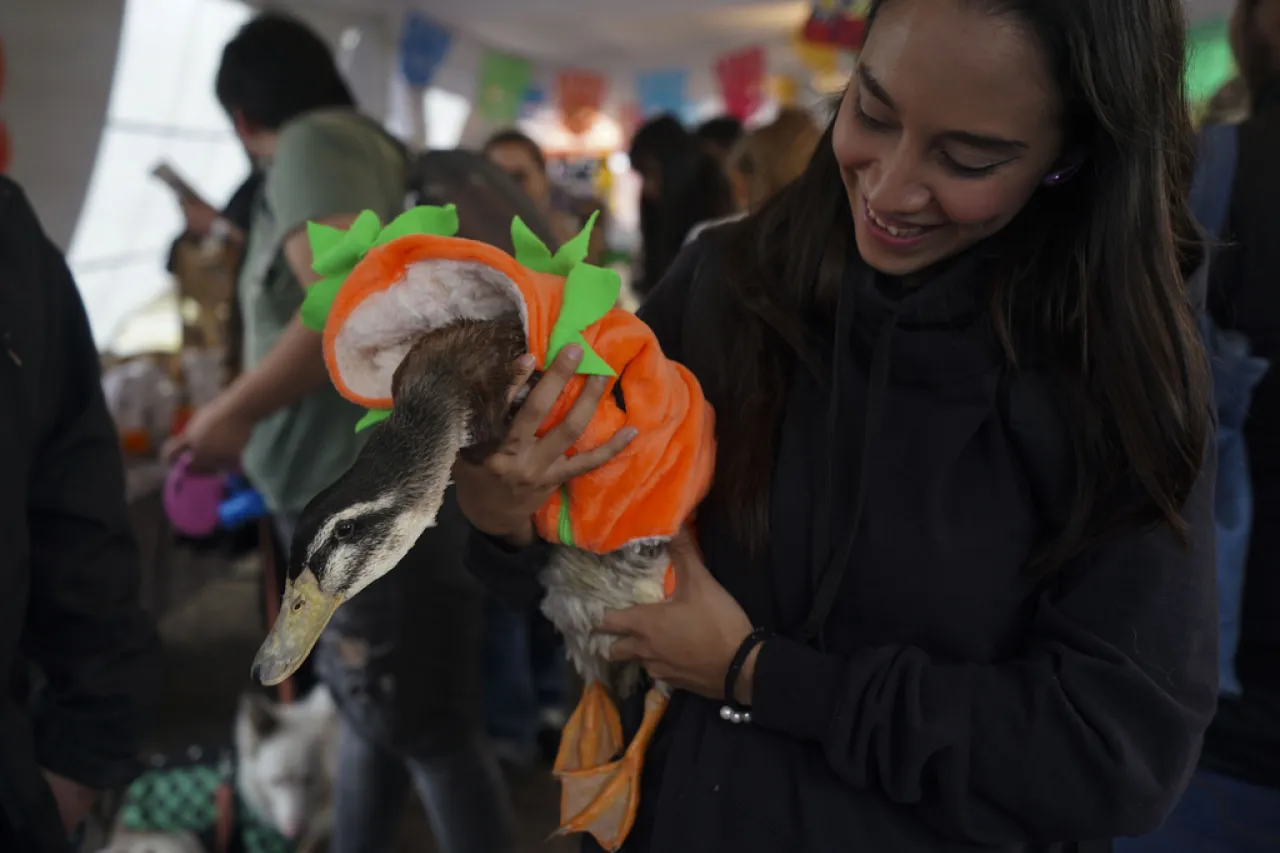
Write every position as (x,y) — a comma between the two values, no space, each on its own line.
(515,137)
(275,69)
(722,131)
(692,189)
(1090,284)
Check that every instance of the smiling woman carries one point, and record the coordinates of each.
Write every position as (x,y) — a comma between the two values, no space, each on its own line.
(956,588)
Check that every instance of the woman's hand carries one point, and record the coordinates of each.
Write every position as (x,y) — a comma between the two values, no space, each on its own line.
(690,639)
(501,496)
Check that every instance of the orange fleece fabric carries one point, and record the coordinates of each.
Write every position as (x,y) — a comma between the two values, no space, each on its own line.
(651,487)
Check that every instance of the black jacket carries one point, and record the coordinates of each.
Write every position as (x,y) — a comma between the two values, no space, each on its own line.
(1244,741)
(949,703)
(69,572)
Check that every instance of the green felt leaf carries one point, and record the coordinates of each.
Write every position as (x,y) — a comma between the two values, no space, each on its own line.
(372,417)
(592,364)
(323,239)
(589,293)
(358,239)
(575,251)
(425,219)
(318,302)
(530,251)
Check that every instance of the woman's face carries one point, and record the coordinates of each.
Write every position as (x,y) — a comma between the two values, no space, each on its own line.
(515,159)
(948,127)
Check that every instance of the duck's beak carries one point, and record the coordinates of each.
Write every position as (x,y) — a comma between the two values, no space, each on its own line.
(305,612)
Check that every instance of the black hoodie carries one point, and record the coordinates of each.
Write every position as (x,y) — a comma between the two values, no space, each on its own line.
(947,703)
(69,570)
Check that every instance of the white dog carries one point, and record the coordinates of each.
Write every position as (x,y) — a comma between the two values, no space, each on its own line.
(284,768)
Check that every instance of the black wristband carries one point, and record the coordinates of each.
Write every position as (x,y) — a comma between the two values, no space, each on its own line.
(755,638)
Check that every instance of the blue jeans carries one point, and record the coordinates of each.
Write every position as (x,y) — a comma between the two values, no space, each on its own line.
(403,662)
(1216,815)
(525,673)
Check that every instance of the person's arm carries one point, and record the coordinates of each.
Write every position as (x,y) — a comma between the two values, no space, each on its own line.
(85,627)
(1093,732)
(318,174)
(295,366)
(510,572)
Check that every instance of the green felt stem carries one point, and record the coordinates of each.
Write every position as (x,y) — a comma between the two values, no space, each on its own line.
(372,417)
(564,526)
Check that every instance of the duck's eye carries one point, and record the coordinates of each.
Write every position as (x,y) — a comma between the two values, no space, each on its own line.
(344,529)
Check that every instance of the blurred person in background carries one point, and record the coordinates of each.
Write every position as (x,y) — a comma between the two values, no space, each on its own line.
(235,218)
(765,161)
(681,186)
(1229,105)
(769,158)
(403,661)
(719,135)
(525,162)
(1233,803)
(70,580)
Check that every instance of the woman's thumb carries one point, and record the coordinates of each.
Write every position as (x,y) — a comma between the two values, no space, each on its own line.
(684,552)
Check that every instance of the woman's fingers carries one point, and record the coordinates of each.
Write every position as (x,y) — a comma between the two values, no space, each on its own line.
(525,365)
(565,434)
(625,649)
(569,467)
(544,395)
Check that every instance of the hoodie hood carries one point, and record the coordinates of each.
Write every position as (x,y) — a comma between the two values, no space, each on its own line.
(930,335)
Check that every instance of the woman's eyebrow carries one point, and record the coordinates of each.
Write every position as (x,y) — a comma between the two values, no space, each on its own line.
(869,81)
(987,142)
(994,144)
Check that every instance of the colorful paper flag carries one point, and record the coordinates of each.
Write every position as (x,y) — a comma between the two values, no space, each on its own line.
(580,95)
(741,76)
(841,23)
(534,97)
(423,47)
(663,91)
(503,81)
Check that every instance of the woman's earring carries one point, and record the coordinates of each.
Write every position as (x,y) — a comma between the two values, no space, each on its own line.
(1061,175)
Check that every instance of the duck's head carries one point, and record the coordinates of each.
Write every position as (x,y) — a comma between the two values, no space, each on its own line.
(451,392)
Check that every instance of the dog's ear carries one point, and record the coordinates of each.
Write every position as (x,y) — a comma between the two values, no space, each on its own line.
(258,715)
(318,704)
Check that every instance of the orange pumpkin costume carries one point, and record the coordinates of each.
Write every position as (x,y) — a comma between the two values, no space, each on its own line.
(646,492)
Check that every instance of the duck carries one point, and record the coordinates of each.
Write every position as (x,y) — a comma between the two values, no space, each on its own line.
(424,329)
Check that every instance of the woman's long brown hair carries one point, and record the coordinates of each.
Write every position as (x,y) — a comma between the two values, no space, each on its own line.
(1096,279)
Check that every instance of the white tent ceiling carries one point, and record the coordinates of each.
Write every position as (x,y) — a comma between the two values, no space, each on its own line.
(628,34)
(604,34)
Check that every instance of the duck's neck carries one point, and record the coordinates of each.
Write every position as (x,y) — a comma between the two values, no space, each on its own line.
(458,379)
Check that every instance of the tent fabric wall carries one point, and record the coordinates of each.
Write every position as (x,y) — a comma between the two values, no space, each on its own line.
(60,56)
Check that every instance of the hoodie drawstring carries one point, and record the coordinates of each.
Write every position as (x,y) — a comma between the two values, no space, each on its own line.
(829,579)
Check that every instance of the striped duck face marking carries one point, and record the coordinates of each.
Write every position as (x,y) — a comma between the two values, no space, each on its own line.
(451,397)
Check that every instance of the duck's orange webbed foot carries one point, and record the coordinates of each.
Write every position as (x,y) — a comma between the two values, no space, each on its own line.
(593,735)
(602,800)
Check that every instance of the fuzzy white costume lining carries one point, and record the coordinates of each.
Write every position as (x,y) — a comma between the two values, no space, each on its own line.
(433,293)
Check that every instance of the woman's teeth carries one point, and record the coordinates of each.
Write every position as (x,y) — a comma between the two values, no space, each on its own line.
(896,232)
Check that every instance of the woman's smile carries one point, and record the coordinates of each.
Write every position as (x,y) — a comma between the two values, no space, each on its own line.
(892,232)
